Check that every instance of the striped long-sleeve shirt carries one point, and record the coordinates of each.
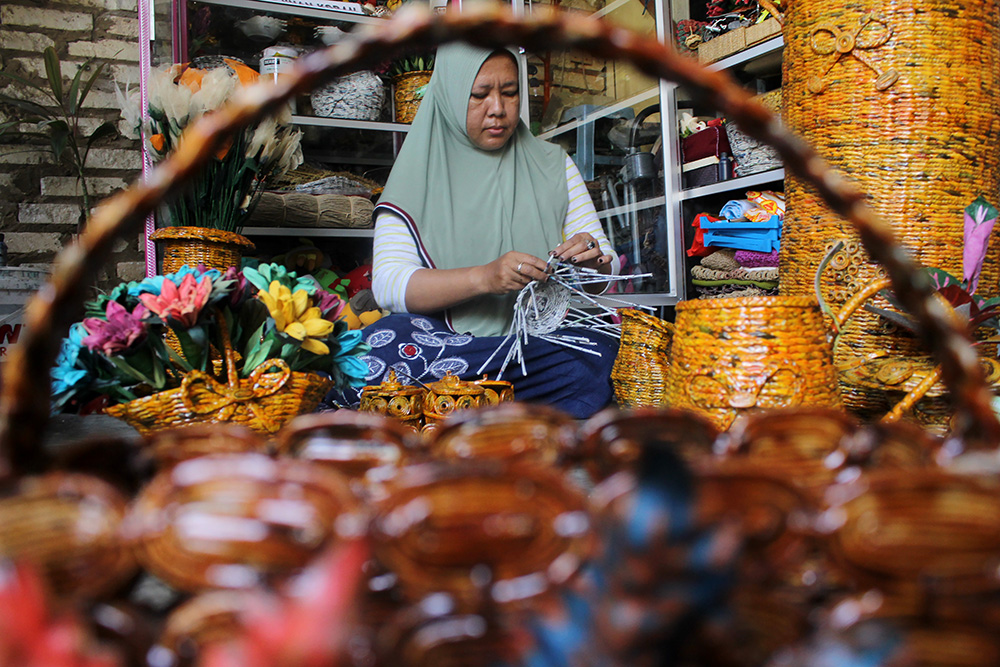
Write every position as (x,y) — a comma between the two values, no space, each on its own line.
(395,256)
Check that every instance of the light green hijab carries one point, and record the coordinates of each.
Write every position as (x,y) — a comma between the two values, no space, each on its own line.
(466,206)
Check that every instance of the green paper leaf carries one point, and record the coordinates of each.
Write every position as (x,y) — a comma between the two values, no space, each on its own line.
(193,346)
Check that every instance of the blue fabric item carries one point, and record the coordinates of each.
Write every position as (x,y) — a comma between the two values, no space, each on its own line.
(424,349)
(735,209)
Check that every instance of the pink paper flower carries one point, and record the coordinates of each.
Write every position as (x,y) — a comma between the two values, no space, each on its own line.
(182,304)
(329,304)
(119,332)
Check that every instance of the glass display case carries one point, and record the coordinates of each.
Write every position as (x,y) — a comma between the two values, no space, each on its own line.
(619,126)
(607,115)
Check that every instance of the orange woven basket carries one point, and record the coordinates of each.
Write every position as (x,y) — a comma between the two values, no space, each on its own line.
(216,249)
(263,402)
(901,97)
(731,356)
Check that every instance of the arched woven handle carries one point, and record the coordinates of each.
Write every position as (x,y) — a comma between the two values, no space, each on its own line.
(25,393)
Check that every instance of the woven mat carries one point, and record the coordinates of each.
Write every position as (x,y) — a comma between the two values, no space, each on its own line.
(763,274)
(721,260)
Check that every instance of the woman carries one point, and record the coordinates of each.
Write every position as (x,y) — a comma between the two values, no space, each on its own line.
(473,208)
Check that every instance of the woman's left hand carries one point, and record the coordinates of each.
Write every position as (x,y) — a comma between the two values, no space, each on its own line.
(583,250)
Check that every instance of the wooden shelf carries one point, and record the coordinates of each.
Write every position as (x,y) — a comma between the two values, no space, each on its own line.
(733,184)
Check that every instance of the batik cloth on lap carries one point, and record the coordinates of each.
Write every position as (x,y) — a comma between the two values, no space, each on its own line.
(423,349)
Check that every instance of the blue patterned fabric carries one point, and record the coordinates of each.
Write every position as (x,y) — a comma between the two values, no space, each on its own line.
(423,348)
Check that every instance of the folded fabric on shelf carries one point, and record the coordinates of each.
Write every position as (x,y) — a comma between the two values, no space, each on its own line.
(773,202)
(751,258)
(734,209)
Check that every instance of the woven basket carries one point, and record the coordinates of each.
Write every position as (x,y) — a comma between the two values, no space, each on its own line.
(731,356)
(262,402)
(916,130)
(639,375)
(408,90)
(191,246)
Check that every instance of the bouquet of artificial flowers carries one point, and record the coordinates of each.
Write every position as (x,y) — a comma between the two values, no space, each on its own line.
(227,190)
(237,339)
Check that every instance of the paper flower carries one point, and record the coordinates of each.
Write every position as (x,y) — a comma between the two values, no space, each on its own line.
(181,303)
(119,332)
(980,218)
(295,316)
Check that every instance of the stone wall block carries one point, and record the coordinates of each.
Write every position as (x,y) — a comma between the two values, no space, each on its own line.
(32,242)
(110,49)
(33,42)
(48,214)
(37,17)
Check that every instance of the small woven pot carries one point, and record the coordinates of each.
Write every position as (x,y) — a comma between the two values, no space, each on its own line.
(640,372)
(732,356)
(408,91)
(191,246)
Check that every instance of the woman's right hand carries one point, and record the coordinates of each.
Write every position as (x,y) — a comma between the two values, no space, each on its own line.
(511,272)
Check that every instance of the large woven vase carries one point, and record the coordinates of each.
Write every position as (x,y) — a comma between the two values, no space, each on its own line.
(214,248)
(903,98)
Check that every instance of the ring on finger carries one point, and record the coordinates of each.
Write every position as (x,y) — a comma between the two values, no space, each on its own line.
(591,245)
(518,269)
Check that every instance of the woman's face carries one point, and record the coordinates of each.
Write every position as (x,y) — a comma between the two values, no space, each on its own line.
(494,103)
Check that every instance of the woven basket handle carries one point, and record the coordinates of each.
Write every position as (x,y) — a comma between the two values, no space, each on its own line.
(24,400)
(850,307)
(774,11)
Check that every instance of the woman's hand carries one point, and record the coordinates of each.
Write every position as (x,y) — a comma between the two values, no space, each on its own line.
(512,271)
(583,250)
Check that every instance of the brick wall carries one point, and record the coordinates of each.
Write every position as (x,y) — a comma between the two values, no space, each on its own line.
(39,197)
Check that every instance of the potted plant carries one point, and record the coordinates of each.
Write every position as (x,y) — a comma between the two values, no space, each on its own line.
(409,77)
(59,122)
(255,347)
(204,224)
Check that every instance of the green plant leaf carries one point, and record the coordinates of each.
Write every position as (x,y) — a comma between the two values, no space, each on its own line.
(105,129)
(90,84)
(74,90)
(52,71)
(36,110)
(58,135)
(24,82)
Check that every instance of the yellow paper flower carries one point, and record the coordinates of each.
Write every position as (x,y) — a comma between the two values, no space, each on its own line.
(295,316)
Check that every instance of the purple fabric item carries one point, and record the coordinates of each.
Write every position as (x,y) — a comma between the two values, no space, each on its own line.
(750,259)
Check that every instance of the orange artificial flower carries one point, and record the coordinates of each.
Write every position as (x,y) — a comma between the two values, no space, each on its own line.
(158,142)
(224,149)
(191,77)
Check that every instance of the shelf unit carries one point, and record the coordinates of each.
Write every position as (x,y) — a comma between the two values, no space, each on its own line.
(589,106)
(681,201)
(168,22)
